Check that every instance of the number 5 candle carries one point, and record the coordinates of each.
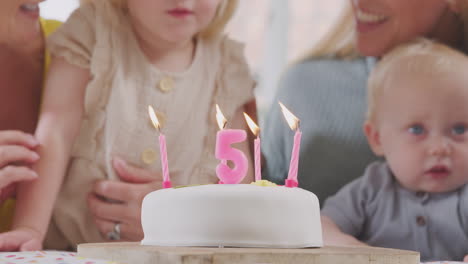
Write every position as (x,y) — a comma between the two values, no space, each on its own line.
(162,148)
(293,123)
(224,152)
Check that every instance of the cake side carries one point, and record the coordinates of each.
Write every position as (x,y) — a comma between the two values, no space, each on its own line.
(232,216)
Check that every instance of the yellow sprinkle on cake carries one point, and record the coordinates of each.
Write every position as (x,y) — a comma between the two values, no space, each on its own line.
(264,183)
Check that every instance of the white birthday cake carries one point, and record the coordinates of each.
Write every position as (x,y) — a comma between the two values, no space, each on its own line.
(232,215)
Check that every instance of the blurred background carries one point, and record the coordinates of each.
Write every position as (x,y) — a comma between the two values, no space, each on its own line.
(275,32)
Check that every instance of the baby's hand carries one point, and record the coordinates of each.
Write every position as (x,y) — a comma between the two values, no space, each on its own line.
(21,239)
(465,259)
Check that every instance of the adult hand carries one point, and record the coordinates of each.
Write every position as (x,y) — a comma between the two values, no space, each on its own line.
(16,155)
(115,202)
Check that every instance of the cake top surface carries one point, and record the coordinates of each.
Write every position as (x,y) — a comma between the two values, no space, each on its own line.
(234,191)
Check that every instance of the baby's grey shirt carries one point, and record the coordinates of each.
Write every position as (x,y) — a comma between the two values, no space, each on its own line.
(378,211)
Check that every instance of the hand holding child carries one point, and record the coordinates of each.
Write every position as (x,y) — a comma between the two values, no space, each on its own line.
(135,184)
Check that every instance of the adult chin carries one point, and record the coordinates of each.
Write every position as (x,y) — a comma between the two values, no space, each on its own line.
(374,39)
(372,48)
(25,27)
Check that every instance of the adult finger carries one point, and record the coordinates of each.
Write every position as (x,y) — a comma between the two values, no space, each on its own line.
(11,137)
(115,212)
(11,174)
(129,215)
(132,174)
(127,231)
(14,154)
(125,192)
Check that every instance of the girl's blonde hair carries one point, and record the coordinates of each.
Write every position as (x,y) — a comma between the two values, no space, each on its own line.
(340,41)
(421,57)
(223,15)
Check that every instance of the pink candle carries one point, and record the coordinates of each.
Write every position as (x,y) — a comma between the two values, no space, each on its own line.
(293,164)
(257,153)
(164,163)
(224,152)
(257,157)
(293,122)
(162,149)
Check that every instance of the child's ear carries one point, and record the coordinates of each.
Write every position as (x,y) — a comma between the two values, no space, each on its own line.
(373,137)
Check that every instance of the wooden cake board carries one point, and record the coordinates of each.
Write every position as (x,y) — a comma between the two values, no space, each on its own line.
(134,253)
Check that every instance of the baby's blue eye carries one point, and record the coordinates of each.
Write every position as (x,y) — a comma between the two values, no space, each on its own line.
(459,129)
(416,129)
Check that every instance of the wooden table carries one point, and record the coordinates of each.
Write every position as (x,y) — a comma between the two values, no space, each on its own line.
(133,253)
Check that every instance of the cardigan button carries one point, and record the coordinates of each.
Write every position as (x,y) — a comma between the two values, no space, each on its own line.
(166,84)
(149,156)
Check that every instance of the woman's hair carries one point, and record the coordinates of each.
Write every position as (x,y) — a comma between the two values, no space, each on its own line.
(224,13)
(339,42)
(418,58)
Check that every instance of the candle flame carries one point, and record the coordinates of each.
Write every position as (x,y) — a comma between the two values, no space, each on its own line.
(253,127)
(292,120)
(154,118)
(220,118)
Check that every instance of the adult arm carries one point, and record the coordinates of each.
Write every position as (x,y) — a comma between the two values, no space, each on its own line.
(58,126)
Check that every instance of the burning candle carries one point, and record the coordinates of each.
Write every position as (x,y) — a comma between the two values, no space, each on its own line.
(257,153)
(162,149)
(224,152)
(293,123)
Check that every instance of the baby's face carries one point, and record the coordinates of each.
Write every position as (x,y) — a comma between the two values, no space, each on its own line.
(171,21)
(422,130)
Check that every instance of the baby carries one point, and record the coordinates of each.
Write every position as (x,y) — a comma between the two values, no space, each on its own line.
(417,199)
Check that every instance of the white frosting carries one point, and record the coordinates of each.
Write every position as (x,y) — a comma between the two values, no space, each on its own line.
(238,215)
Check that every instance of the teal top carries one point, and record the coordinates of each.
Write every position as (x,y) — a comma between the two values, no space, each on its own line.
(329,97)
